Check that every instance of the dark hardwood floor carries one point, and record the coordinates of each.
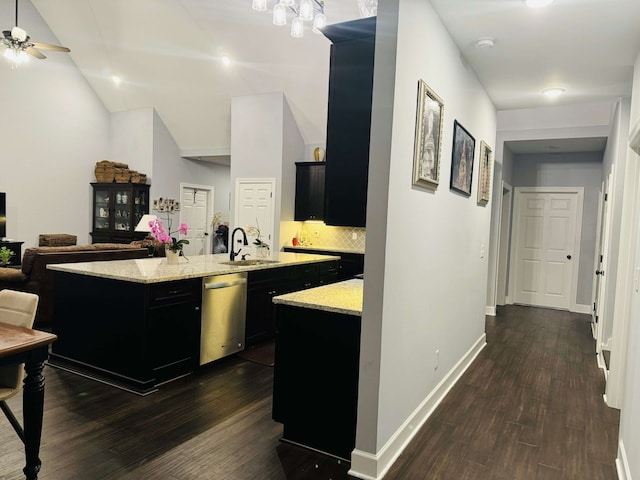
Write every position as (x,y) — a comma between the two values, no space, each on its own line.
(530,407)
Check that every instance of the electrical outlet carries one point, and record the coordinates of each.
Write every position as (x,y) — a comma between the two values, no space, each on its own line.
(437,359)
(354,235)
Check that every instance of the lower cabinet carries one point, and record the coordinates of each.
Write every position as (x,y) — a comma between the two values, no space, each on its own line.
(128,334)
(350,264)
(315,384)
(263,285)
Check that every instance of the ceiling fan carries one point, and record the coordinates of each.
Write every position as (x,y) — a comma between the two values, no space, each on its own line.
(18,43)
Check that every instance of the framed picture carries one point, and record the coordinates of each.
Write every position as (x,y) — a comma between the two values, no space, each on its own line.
(462,159)
(484,185)
(428,137)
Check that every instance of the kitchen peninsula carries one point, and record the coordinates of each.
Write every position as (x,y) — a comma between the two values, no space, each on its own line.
(138,323)
(315,387)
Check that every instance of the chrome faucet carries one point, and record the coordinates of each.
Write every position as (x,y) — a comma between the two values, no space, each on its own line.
(232,253)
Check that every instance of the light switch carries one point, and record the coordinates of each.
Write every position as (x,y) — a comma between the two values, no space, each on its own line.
(354,235)
(636,279)
(482,251)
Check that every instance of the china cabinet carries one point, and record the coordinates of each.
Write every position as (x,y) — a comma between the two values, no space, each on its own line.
(117,209)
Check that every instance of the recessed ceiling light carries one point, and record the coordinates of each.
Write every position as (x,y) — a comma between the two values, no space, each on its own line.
(538,3)
(485,42)
(553,92)
(226,61)
(116,79)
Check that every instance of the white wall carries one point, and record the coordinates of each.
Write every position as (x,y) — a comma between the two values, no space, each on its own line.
(54,130)
(265,143)
(426,244)
(630,415)
(131,135)
(569,170)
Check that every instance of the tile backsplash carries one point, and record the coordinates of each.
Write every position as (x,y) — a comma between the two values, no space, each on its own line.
(317,234)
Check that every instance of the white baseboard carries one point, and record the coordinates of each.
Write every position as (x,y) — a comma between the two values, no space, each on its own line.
(579,308)
(491,311)
(622,464)
(368,466)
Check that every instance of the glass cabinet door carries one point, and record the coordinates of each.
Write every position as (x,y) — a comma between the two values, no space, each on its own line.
(122,210)
(140,204)
(102,206)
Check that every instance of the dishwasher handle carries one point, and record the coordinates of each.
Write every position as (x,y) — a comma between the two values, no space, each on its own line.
(233,283)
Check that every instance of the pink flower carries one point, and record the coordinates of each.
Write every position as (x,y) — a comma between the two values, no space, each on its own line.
(183,229)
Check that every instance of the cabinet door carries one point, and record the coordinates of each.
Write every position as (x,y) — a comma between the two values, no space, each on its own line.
(260,324)
(173,339)
(349,121)
(102,208)
(122,210)
(309,204)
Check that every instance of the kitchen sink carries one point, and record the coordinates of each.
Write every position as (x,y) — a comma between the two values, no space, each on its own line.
(243,263)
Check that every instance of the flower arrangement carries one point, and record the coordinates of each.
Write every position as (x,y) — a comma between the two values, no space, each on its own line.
(255,232)
(169,206)
(172,243)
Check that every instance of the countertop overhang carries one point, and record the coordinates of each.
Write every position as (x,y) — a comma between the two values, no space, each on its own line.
(342,297)
(155,269)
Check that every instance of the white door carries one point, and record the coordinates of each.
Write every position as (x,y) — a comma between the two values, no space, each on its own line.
(547,248)
(505,234)
(254,208)
(196,209)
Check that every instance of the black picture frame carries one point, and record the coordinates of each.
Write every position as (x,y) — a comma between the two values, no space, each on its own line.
(462,159)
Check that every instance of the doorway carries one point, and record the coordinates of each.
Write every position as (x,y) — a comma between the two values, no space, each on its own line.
(196,210)
(546,246)
(502,296)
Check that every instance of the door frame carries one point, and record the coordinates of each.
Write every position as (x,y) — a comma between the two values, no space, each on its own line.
(504,229)
(208,246)
(513,269)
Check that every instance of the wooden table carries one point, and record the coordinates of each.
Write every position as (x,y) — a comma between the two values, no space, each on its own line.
(31,347)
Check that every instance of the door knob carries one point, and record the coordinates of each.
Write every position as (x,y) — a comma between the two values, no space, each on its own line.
(599,272)
(568,257)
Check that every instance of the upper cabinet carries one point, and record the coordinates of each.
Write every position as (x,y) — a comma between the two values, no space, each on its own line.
(349,121)
(117,209)
(309,191)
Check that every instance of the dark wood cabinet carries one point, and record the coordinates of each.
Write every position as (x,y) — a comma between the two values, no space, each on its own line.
(309,191)
(117,209)
(349,121)
(263,285)
(315,385)
(138,336)
(350,264)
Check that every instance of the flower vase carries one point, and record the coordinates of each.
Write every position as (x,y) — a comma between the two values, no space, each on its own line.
(262,251)
(172,257)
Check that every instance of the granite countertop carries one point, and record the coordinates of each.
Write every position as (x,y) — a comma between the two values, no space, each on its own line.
(342,297)
(325,249)
(155,269)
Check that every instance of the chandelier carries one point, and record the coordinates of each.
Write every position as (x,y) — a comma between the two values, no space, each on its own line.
(303,11)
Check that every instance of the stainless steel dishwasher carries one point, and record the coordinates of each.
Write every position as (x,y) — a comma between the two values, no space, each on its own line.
(224,308)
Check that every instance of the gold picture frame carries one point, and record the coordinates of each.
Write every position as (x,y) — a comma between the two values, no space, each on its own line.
(484,180)
(428,138)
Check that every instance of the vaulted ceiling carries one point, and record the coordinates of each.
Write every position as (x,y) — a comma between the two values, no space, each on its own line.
(168,54)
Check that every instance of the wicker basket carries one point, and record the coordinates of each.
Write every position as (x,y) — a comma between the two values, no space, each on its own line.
(122,175)
(137,177)
(105,173)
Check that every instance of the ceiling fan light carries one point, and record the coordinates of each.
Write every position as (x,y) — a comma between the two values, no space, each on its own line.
(259,5)
(319,22)
(18,34)
(297,27)
(287,3)
(306,10)
(279,14)
(16,56)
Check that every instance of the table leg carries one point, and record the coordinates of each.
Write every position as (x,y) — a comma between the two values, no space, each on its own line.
(33,406)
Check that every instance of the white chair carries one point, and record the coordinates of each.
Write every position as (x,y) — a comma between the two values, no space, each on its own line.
(19,309)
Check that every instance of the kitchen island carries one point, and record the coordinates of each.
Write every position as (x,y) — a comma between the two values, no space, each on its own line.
(138,323)
(315,390)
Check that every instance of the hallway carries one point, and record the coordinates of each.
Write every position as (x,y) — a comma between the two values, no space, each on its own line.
(530,407)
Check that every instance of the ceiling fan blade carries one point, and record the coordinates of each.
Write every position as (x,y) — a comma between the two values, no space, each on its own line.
(34,52)
(48,46)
